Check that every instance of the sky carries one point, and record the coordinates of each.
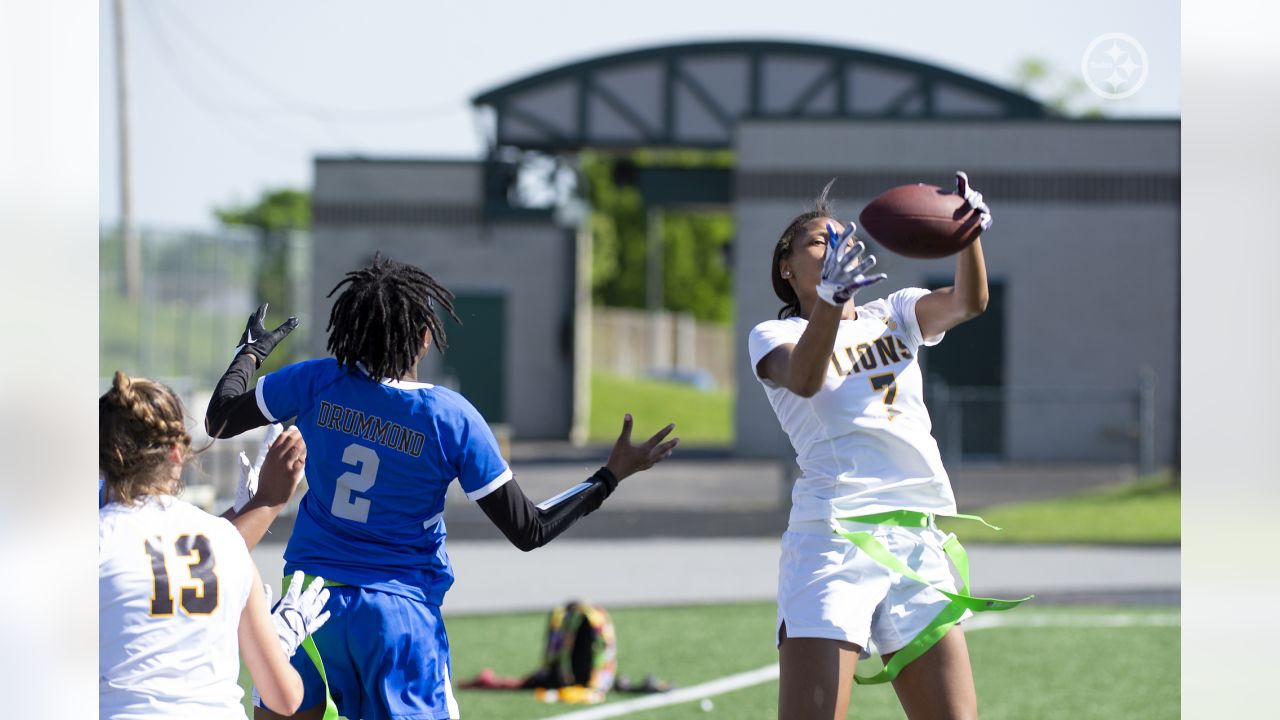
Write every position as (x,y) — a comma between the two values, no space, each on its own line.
(229,98)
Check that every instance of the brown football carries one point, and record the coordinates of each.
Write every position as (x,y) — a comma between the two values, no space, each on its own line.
(920,221)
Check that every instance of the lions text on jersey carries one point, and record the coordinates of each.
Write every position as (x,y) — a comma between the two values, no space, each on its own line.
(863,441)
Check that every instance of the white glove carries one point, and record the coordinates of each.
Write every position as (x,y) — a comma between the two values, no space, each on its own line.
(843,271)
(298,614)
(973,199)
(248,485)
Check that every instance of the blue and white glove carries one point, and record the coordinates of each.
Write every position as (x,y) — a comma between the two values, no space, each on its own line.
(844,271)
(973,199)
(299,612)
(248,485)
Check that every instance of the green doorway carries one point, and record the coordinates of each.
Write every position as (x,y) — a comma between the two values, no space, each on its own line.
(477,349)
(969,411)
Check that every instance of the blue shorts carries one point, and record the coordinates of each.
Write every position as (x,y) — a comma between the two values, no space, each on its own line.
(386,657)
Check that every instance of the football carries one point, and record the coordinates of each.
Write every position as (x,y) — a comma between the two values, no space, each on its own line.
(920,221)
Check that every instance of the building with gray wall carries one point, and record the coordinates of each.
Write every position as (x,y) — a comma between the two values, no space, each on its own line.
(512,275)
(1084,249)
(1083,257)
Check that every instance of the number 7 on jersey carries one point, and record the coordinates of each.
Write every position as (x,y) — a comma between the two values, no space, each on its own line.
(888,383)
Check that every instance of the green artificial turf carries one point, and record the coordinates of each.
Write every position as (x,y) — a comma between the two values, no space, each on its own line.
(1020,672)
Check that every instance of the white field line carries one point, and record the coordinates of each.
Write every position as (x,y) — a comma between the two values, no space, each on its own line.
(770,672)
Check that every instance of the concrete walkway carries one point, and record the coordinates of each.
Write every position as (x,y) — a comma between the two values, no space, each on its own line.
(704,527)
(493,576)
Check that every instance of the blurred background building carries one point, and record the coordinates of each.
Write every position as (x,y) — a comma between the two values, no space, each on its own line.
(1072,362)
(612,246)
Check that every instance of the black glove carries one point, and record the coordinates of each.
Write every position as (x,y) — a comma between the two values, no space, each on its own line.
(259,343)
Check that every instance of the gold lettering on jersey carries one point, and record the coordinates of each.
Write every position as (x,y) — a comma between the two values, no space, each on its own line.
(853,360)
(835,363)
(902,347)
(865,358)
(370,427)
(885,351)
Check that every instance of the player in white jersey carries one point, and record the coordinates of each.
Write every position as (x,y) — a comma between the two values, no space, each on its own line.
(845,382)
(179,596)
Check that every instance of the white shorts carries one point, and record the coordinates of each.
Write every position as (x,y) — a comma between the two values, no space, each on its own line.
(828,588)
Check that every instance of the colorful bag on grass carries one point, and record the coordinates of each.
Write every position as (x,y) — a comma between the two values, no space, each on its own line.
(581,649)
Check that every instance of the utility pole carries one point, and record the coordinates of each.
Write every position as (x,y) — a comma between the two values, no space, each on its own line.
(128,236)
(659,355)
(653,266)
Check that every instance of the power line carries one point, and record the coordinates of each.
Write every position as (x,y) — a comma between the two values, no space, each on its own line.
(189,87)
(293,104)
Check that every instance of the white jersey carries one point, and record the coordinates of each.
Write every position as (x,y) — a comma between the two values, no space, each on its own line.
(172,583)
(862,442)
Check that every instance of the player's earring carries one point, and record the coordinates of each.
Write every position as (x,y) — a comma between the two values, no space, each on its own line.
(786,274)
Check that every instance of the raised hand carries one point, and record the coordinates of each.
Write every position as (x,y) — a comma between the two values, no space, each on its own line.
(283,467)
(257,341)
(299,612)
(247,487)
(844,270)
(627,459)
(973,199)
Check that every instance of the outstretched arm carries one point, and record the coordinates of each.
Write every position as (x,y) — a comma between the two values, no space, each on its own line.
(947,307)
(802,367)
(530,526)
(234,407)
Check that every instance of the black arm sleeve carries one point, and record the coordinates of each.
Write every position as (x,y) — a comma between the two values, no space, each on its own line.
(527,526)
(233,408)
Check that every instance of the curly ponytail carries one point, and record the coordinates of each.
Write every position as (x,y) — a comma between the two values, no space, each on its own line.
(139,422)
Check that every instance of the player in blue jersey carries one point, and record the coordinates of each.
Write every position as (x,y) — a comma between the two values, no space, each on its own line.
(383,448)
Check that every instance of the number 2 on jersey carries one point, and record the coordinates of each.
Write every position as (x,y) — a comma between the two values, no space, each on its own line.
(886,382)
(346,504)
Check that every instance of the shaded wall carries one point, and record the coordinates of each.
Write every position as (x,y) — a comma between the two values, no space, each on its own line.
(1086,241)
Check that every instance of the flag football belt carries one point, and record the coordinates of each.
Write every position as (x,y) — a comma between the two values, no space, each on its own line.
(309,646)
(960,601)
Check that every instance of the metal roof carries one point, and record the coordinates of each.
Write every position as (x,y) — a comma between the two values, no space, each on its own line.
(691,95)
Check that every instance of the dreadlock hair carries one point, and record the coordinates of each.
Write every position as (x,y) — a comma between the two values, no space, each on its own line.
(379,318)
(787,294)
(139,422)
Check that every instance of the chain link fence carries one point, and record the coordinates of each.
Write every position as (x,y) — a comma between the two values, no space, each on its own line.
(1024,424)
(197,288)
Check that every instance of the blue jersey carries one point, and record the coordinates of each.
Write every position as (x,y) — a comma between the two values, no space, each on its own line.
(380,456)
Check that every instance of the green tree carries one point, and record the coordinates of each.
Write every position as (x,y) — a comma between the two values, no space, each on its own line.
(1064,92)
(695,273)
(276,214)
(696,276)
(618,231)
